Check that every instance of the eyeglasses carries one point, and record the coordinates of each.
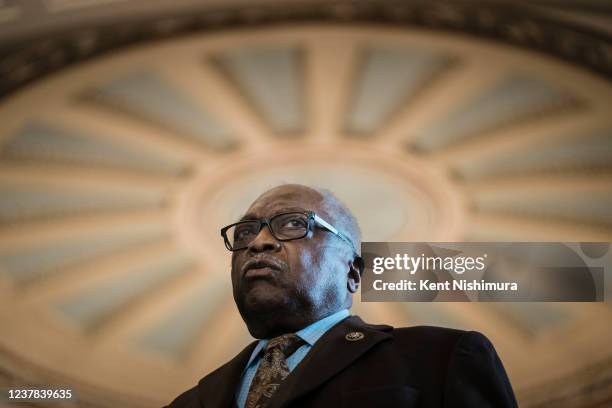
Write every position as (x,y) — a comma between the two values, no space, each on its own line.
(284,227)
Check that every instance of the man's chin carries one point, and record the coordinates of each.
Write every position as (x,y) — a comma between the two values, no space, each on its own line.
(264,298)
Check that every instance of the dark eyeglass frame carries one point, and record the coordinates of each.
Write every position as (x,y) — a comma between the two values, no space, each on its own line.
(313,219)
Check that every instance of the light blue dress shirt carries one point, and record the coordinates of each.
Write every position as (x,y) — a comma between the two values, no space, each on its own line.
(309,334)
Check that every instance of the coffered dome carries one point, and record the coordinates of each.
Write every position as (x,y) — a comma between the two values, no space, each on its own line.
(118,172)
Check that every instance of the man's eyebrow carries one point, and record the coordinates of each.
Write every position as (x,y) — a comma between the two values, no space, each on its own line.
(251,216)
(287,209)
(248,216)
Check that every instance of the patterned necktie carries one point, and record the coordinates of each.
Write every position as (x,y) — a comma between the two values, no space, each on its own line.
(272,370)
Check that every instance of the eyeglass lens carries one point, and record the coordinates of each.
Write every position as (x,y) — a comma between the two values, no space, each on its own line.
(285,226)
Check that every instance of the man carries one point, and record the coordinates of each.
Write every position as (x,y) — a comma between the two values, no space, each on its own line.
(295,267)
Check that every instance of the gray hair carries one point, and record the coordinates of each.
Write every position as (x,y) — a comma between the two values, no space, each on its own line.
(343,218)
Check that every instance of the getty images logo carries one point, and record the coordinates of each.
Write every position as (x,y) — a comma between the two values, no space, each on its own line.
(412,264)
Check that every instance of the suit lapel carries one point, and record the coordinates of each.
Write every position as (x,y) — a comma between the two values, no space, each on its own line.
(218,389)
(330,355)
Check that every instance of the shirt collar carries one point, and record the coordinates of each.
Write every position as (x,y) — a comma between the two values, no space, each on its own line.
(310,334)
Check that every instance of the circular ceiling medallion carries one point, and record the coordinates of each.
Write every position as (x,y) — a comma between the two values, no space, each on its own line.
(395,196)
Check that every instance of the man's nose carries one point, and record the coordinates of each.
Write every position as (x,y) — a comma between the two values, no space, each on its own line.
(264,241)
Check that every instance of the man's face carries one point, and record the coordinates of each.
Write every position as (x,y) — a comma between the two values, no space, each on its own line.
(284,282)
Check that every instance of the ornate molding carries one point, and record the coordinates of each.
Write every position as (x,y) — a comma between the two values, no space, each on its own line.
(32,59)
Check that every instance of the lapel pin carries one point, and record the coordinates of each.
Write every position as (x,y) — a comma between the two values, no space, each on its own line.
(354,336)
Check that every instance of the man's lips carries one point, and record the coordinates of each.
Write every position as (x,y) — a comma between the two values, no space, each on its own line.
(261,268)
(255,273)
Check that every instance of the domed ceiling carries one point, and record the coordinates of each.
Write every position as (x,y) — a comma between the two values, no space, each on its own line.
(117,174)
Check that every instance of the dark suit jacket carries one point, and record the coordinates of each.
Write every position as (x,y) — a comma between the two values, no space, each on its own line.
(419,366)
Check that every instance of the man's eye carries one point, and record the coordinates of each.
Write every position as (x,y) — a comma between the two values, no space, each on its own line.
(243,233)
(294,223)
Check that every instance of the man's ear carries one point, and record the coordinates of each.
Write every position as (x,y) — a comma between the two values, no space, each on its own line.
(354,274)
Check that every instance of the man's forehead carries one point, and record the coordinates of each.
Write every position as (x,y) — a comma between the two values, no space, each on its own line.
(279,199)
